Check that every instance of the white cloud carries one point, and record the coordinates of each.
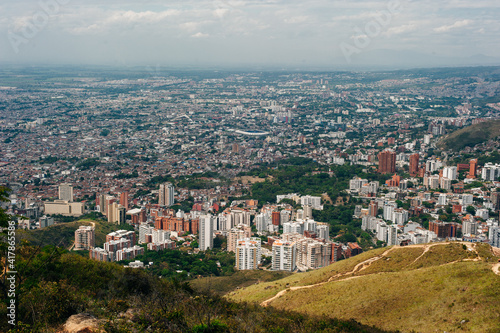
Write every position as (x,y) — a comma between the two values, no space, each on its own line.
(294,28)
(401,29)
(120,19)
(190,26)
(200,35)
(220,12)
(457,24)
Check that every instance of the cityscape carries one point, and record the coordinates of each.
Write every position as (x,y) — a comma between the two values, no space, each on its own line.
(249,166)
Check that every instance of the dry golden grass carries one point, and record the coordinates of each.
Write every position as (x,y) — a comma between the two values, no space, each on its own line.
(442,254)
(395,261)
(425,300)
(448,287)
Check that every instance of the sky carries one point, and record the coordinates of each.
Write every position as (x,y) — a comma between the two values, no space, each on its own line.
(292,34)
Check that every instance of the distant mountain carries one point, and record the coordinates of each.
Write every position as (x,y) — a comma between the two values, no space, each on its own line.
(420,288)
(471,135)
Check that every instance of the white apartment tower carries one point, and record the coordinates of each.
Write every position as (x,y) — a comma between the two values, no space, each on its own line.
(248,253)
(284,256)
(206,233)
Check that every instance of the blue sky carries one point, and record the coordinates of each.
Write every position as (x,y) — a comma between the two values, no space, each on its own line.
(314,33)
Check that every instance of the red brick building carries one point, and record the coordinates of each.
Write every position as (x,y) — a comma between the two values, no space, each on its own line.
(387,162)
(414,159)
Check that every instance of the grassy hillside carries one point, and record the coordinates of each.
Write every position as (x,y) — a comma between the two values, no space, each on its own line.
(241,279)
(471,135)
(63,234)
(438,287)
(53,285)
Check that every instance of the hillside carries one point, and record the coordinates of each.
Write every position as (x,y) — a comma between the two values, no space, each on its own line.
(471,135)
(58,291)
(433,287)
(240,279)
(63,234)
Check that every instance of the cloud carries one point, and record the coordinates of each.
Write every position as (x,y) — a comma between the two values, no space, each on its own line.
(457,24)
(200,35)
(401,29)
(122,19)
(220,12)
(269,29)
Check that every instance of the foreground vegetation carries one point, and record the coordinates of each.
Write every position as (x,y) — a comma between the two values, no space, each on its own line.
(53,284)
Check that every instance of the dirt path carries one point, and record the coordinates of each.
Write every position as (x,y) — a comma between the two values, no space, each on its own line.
(358,268)
(366,263)
(496,269)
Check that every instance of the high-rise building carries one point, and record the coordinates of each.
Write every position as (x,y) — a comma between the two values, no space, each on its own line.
(84,238)
(241,231)
(312,253)
(389,210)
(276,218)
(102,204)
(293,228)
(323,230)
(309,200)
(442,200)
(166,195)
(108,200)
(116,213)
(285,216)
(469,227)
(144,229)
(311,226)
(373,208)
(495,200)
(248,253)
(450,172)
(387,162)
(392,235)
(414,158)
(490,171)
(427,139)
(46,221)
(124,199)
(494,236)
(473,168)
(206,233)
(284,256)
(66,192)
(308,214)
